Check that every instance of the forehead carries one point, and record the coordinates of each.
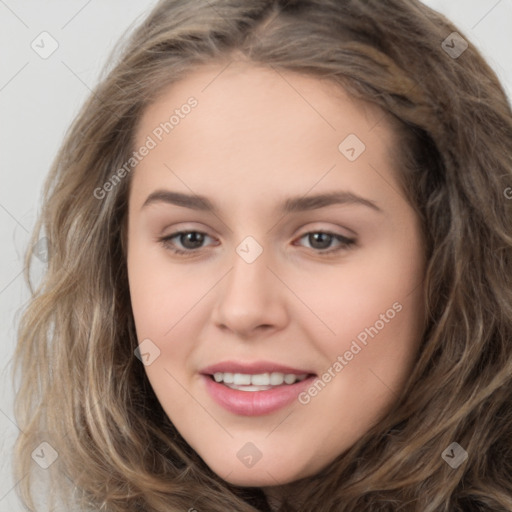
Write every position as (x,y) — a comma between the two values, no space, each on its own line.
(239,90)
(259,128)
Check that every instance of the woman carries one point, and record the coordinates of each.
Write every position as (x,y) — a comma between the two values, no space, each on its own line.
(258,373)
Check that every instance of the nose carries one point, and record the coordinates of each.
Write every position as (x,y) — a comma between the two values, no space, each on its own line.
(251,299)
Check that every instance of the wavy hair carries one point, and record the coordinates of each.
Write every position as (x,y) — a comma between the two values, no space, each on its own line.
(80,387)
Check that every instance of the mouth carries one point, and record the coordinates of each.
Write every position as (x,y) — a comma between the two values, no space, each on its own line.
(258,381)
(255,393)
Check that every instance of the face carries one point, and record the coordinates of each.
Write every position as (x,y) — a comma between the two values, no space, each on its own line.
(290,321)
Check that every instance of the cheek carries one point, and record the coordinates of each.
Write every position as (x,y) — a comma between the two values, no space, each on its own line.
(163,300)
(161,294)
(168,303)
(374,309)
(363,295)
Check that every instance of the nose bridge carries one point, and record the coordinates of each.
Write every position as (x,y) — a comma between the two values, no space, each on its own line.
(249,275)
(249,296)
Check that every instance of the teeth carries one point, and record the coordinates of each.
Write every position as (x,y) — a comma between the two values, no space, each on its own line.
(276,379)
(261,379)
(289,379)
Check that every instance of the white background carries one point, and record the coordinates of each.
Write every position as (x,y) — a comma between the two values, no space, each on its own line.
(40,97)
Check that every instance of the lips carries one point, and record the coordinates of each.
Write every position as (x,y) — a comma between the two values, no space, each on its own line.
(254,367)
(254,402)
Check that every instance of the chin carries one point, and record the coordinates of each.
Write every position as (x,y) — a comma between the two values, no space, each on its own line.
(256,480)
(258,476)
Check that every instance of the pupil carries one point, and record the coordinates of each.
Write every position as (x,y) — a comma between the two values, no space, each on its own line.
(320,235)
(193,237)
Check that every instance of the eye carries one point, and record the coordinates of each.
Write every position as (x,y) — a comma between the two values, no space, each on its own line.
(321,240)
(192,241)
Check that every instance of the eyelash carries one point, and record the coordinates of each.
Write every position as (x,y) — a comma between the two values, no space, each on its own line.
(345,243)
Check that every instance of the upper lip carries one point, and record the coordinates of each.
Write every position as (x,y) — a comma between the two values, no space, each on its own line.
(253,368)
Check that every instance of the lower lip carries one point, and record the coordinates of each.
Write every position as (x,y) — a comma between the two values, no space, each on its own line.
(255,403)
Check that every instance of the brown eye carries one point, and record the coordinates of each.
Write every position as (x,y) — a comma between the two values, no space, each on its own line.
(190,241)
(321,240)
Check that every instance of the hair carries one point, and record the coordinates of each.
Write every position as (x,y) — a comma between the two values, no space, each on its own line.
(82,390)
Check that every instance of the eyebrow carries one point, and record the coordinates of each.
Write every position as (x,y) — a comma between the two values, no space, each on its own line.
(290,205)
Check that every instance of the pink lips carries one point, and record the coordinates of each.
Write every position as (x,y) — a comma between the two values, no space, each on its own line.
(254,367)
(254,403)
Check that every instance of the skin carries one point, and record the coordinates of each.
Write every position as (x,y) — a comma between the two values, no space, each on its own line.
(253,141)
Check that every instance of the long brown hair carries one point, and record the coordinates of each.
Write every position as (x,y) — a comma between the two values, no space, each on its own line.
(83,392)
